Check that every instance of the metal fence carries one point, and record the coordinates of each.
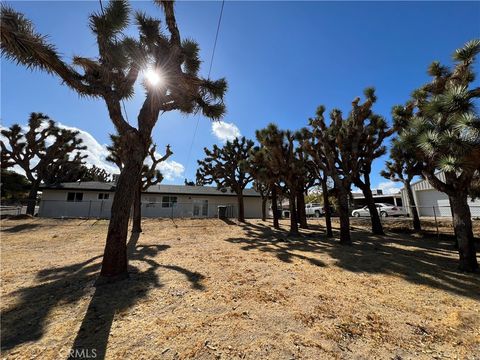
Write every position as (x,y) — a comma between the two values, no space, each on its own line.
(101,209)
(433,219)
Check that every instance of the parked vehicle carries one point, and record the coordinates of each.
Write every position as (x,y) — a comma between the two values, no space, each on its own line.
(383,209)
(314,210)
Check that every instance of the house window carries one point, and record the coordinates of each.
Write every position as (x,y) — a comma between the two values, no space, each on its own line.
(168,201)
(74,196)
(103,196)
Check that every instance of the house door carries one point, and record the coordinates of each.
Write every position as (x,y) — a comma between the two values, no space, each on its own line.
(200,208)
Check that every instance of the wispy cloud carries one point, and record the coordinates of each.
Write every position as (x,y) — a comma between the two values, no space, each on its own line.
(97,155)
(225,131)
(389,187)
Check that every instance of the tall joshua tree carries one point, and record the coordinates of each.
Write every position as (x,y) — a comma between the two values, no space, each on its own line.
(281,147)
(267,176)
(38,148)
(149,175)
(403,167)
(442,124)
(325,145)
(111,76)
(366,132)
(228,167)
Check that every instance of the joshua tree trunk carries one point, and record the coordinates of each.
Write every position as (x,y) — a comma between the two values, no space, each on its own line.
(241,208)
(411,200)
(462,223)
(302,215)
(377,227)
(137,209)
(115,263)
(264,208)
(275,208)
(32,198)
(327,210)
(293,214)
(342,197)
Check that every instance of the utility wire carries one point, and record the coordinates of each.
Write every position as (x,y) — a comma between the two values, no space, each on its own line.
(208,77)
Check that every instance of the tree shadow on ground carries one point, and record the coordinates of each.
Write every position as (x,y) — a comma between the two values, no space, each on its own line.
(25,321)
(20,227)
(423,261)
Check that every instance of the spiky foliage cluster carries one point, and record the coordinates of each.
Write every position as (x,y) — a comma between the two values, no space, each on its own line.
(74,171)
(120,61)
(441,123)
(280,152)
(150,175)
(226,166)
(346,148)
(403,166)
(40,147)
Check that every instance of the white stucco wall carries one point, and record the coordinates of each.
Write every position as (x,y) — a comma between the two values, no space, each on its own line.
(54,204)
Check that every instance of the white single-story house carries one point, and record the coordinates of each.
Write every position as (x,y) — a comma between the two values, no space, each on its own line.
(94,199)
(431,202)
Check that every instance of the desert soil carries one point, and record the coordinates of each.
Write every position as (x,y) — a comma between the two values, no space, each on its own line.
(209,289)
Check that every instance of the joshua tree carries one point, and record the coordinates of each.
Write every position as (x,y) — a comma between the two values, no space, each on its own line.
(281,151)
(172,83)
(363,144)
(325,147)
(30,150)
(149,175)
(441,122)
(228,167)
(346,149)
(71,171)
(267,177)
(403,167)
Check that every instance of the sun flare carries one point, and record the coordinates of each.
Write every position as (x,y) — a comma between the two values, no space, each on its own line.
(153,77)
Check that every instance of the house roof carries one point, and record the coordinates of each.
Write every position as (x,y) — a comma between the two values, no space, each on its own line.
(155,189)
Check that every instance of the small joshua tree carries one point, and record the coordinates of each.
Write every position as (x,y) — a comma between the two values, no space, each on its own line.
(38,148)
(228,167)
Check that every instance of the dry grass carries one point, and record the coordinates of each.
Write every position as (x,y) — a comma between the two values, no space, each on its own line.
(208,289)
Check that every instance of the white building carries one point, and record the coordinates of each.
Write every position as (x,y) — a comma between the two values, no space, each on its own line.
(94,200)
(431,202)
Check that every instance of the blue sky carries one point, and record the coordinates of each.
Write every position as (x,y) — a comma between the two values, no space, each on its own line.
(281,60)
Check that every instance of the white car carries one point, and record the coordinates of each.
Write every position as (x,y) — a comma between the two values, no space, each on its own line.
(314,210)
(383,209)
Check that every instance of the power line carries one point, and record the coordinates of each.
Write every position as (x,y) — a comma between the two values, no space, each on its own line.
(208,77)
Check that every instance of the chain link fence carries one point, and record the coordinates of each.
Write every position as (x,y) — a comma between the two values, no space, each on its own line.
(101,209)
(433,219)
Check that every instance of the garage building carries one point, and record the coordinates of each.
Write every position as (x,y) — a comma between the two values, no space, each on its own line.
(431,202)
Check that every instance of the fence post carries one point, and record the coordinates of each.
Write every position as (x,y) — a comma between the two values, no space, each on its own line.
(436,223)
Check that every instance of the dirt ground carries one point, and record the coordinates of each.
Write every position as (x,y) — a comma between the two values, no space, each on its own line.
(209,289)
